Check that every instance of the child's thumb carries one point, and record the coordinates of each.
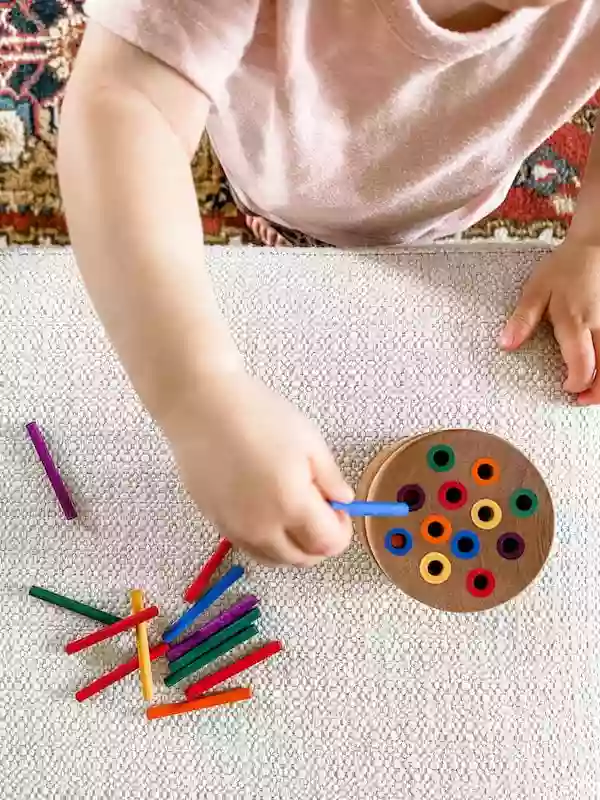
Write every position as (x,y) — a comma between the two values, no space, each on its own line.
(525,318)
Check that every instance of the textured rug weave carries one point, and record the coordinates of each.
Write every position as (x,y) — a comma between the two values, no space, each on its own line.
(38,40)
(376,697)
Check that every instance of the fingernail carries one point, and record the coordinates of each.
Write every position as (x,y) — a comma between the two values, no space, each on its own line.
(506,338)
(345,495)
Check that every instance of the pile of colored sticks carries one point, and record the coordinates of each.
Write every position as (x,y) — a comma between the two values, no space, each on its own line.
(215,638)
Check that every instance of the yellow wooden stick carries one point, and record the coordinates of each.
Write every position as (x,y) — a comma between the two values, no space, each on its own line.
(141,635)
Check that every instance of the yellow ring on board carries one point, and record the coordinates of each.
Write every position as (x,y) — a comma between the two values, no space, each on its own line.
(443,575)
(486,524)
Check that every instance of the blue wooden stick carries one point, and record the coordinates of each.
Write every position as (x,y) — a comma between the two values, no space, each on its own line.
(370,509)
(207,599)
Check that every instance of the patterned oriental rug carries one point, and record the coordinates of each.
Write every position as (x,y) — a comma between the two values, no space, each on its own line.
(38,40)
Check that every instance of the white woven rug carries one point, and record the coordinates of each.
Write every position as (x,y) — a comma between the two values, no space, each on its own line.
(376,697)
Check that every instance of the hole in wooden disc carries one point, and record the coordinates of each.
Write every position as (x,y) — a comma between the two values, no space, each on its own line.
(454,495)
(485,472)
(441,458)
(511,546)
(398,540)
(524,502)
(412,495)
(485,513)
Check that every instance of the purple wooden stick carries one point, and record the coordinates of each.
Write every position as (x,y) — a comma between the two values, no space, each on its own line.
(60,490)
(224,619)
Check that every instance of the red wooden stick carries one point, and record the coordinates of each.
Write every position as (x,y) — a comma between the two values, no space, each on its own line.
(111,630)
(106,680)
(208,570)
(209,681)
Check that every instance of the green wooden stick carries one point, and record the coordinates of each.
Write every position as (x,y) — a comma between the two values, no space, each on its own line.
(73,605)
(215,639)
(213,654)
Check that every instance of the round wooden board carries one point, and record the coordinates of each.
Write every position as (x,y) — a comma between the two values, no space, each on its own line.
(366,481)
(495,570)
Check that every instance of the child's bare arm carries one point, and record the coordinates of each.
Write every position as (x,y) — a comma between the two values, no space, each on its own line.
(253,464)
(129,129)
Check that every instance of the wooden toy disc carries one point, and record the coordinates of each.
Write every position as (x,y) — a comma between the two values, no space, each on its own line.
(482,523)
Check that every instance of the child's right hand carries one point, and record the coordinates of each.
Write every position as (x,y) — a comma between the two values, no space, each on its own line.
(253,464)
(260,471)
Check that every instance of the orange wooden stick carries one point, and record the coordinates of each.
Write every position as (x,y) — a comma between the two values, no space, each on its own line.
(209,701)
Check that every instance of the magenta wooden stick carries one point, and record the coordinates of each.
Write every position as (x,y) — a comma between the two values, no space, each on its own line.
(57,483)
(224,619)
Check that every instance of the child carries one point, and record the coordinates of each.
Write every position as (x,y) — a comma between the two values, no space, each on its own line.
(351,122)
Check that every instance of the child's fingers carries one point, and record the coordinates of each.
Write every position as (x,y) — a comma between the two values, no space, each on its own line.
(592,395)
(578,352)
(322,532)
(526,316)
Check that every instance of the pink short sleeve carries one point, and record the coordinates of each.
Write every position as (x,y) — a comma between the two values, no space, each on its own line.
(204,40)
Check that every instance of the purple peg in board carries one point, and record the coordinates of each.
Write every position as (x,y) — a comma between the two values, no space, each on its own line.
(225,618)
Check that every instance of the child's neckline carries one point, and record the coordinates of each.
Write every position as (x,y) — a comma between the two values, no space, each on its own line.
(476,17)
(428,39)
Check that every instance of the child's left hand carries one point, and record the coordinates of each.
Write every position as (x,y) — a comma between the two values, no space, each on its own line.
(565,287)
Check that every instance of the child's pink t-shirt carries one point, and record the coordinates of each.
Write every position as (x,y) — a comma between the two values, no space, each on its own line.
(362,122)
